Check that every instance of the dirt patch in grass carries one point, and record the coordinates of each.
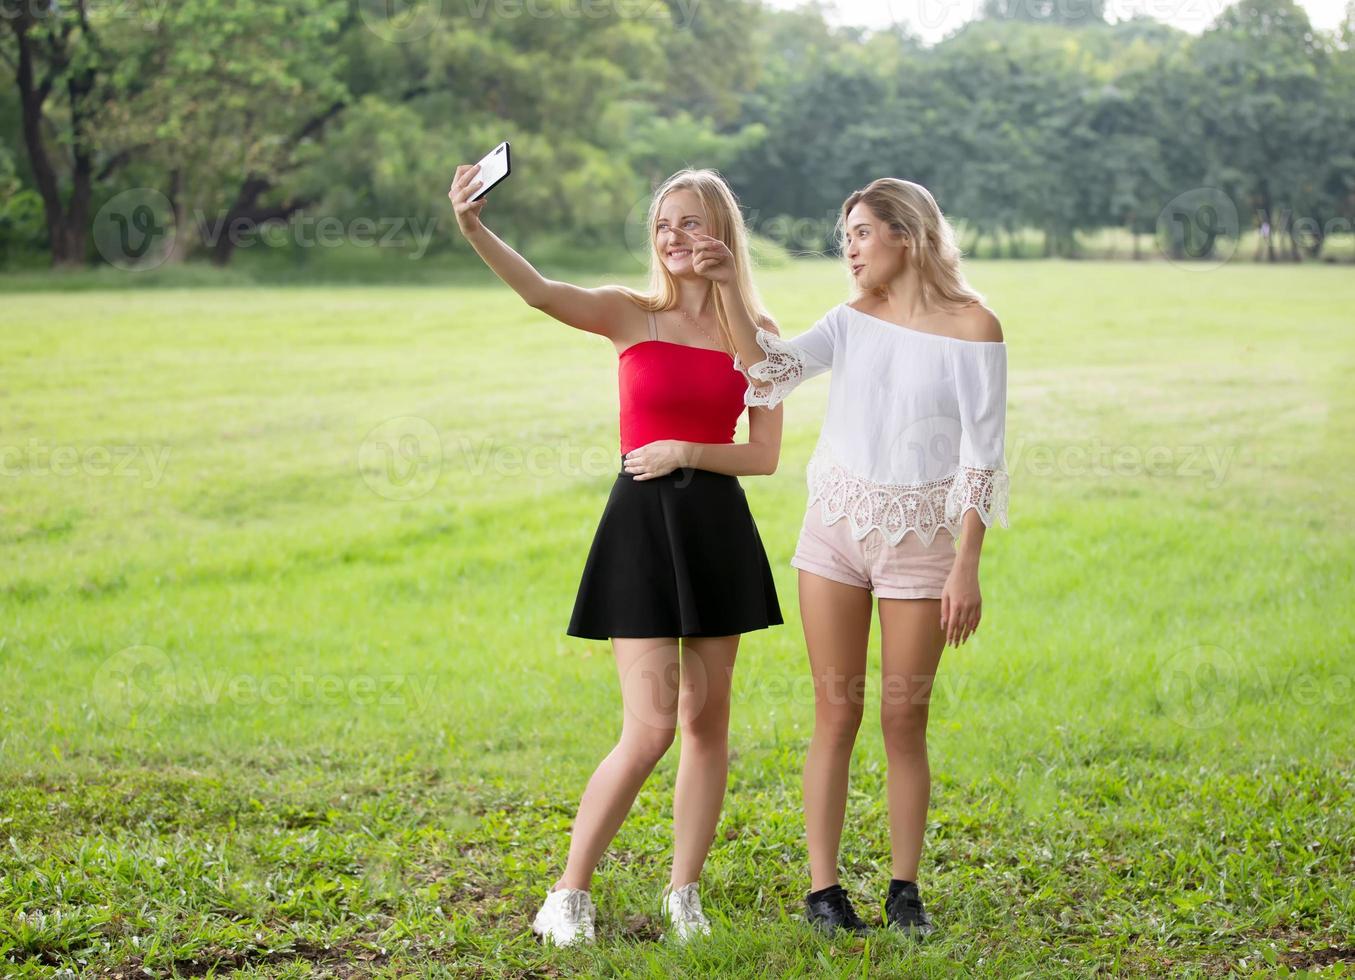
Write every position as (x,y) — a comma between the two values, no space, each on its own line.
(355,958)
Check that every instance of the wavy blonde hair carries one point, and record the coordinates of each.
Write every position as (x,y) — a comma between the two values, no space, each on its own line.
(724,221)
(933,254)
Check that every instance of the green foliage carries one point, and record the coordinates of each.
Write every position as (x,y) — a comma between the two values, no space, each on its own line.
(22,228)
(1037,118)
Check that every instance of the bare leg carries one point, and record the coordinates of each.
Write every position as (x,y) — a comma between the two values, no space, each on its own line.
(836,621)
(703,767)
(910,649)
(648,669)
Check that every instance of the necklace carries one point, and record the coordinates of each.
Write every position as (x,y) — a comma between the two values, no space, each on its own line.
(700,328)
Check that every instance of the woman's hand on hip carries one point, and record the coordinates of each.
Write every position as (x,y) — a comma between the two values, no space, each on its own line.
(656,459)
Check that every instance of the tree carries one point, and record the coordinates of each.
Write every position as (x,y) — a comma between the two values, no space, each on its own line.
(63,72)
(1264,127)
(222,99)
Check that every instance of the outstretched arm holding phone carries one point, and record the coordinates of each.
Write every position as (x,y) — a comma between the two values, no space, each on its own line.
(605,310)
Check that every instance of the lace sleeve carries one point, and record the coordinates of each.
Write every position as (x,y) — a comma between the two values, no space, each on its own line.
(981,482)
(788,363)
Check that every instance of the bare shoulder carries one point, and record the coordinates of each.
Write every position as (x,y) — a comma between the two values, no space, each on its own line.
(628,314)
(977,322)
(619,297)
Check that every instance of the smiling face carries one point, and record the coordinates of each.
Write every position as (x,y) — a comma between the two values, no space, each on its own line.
(876,253)
(680,210)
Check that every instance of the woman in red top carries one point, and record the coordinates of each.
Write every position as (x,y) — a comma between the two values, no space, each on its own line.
(676,570)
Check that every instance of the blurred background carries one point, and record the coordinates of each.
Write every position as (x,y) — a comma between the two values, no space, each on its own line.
(322,134)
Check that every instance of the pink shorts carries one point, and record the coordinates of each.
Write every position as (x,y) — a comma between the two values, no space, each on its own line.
(907,570)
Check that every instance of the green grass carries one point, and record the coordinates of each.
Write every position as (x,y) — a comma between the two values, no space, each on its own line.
(284,696)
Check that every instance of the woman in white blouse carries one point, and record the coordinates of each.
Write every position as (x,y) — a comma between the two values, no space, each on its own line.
(910,458)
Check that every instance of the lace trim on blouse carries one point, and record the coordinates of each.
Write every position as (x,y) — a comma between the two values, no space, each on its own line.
(895,509)
(892,509)
(782,369)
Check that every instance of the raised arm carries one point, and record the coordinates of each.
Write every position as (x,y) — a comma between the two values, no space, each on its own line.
(603,310)
(741,324)
(777,366)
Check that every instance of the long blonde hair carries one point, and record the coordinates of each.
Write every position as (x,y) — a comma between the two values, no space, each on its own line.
(933,254)
(724,221)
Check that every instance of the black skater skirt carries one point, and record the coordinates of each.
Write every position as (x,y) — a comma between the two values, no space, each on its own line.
(676,556)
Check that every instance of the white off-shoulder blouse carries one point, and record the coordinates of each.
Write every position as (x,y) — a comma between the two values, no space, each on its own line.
(915,427)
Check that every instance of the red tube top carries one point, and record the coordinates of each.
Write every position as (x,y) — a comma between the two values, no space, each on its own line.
(676,391)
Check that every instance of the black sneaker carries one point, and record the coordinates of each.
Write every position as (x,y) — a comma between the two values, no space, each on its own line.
(834,911)
(903,911)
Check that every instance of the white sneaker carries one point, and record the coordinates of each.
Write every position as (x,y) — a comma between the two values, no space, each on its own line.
(682,908)
(566,918)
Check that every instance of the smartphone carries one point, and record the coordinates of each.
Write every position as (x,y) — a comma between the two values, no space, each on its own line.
(494,169)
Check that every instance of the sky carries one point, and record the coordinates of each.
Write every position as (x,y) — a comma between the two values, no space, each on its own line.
(934,19)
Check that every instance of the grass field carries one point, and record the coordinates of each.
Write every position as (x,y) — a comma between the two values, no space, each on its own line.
(286,690)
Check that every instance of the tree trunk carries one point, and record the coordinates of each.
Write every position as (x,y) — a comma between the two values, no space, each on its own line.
(246,208)
(1267,212)
(182,242)
(67,222)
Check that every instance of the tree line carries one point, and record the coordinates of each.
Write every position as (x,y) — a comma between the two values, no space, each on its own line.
(1037,115)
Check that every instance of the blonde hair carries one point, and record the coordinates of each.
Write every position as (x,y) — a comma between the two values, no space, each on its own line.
(724,221)
(933,254)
